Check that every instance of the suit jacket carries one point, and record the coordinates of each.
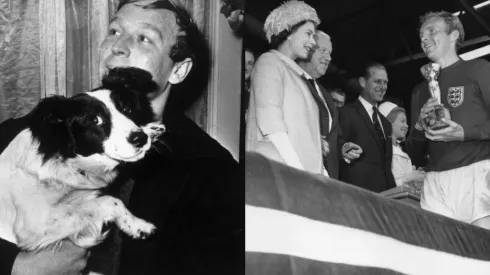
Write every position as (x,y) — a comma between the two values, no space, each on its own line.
(372,170)
(331,162)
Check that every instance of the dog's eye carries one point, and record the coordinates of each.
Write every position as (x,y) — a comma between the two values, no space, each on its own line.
(97,120)
(127,110)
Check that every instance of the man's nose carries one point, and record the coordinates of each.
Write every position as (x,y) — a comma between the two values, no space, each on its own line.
(121,47)
(312,40)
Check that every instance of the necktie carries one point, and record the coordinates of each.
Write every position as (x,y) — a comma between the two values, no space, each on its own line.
(377,125)
(323,112)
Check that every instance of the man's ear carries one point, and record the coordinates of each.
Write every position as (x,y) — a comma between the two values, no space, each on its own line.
(454,35)
(362,81)
(180,71)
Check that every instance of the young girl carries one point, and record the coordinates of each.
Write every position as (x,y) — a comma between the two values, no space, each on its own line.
(402,168)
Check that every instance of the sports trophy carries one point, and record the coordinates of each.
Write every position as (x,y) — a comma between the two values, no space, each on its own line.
(434,120)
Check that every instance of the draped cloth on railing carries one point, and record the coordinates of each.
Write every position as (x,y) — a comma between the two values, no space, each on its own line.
(300,223)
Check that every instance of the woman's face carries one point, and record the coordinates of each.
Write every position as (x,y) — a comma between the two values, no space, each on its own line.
(400,127)
(302,41)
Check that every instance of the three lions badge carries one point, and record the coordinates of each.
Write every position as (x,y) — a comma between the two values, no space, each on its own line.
(455,96)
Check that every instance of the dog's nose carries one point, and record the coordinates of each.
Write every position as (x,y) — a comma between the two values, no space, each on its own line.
(138,138)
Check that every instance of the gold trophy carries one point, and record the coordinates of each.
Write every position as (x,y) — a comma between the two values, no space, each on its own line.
(431,71)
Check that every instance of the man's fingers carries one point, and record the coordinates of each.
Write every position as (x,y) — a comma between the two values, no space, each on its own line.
(434,137)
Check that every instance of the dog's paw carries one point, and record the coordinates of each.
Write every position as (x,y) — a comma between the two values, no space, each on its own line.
(137,228)
(154,130)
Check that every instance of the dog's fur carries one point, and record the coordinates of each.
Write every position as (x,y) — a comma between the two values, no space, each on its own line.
(52,172)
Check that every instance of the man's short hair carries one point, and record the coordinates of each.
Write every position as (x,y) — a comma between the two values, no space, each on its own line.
(452,23)
(370,65)
(190,43)
(336,90)
(250,51)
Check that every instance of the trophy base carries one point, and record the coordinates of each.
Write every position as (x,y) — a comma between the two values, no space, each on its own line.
(434,120)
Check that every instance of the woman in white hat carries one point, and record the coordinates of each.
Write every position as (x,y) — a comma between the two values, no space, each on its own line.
(402,168)
(283,120)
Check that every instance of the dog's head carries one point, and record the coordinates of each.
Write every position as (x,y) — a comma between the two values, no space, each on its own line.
(112,123)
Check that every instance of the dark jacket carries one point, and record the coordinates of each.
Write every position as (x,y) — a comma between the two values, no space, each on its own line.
(372,170)
(331,162)
(192,191)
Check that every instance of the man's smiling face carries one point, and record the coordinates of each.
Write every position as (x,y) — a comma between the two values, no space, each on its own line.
(434,39)
(140,38)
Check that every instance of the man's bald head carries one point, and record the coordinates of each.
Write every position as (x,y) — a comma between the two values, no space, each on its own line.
(319,58)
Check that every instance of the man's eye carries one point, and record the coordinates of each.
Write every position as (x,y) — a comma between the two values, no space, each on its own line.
(113,32)
(144,39)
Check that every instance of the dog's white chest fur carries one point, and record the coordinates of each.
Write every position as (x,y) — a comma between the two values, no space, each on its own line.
(42,204)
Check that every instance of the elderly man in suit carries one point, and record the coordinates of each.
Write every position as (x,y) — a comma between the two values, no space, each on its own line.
(315,66)
(362,124)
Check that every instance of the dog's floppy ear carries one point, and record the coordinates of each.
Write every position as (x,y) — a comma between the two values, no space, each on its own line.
(129,78)
(50,123)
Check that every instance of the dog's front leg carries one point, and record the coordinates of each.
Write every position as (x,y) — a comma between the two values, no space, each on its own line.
(108,209)
(82,223)
(127,222)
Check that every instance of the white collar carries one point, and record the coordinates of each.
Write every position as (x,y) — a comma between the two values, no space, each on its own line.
(397,150)
(368,106)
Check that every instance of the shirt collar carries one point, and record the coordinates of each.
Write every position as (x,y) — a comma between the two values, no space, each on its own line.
(368,106)
(291,64)
(397,150)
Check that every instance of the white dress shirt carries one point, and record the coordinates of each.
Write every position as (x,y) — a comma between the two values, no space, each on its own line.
(369,108)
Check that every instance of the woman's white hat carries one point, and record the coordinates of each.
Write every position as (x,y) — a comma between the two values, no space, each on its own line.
(386,107)
(287,15)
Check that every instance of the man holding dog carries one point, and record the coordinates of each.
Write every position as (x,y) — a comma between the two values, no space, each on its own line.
(192,191)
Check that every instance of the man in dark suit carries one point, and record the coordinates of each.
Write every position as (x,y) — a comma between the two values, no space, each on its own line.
(362,124)
(315,66)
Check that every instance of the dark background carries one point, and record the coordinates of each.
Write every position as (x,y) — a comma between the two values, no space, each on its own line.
(373,30)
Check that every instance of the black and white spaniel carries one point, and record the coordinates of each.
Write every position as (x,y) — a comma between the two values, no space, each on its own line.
(52,172)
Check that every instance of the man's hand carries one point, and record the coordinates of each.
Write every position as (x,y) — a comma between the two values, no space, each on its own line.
(351,151)
(69,259)
(424,113)
(454,132)
(325,147)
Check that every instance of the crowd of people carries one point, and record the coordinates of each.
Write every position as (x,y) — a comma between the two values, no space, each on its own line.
(368,143)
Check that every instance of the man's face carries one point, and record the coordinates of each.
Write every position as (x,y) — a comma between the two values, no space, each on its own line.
(302,40)
(338,99)
(140,38)
(434,39)
(321,56)
(374,87)
(249,64)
